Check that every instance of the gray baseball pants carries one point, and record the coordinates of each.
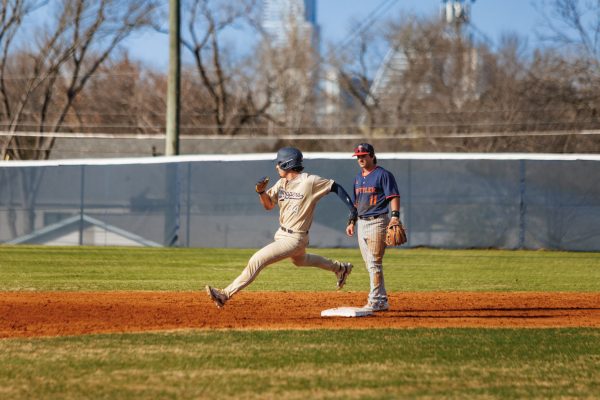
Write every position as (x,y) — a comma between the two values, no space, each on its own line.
(371,241)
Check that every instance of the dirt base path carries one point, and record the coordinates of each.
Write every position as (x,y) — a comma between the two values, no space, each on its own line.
(28,314)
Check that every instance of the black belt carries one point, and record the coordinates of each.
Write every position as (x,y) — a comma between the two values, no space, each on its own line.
(371,217)
(289,230)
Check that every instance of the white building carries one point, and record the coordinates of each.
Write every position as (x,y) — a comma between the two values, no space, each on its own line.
(282,18)
(457,15)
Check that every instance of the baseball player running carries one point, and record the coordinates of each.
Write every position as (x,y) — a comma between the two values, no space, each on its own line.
(297,194)
(375,192)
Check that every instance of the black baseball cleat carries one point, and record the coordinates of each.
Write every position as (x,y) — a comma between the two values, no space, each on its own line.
(217,296)
(342,275)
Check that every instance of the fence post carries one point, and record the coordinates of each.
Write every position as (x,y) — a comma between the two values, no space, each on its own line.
(81,207)
(188,205)
(172,206)
(522,205)
(408,209)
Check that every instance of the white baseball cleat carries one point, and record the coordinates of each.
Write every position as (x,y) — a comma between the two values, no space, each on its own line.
(217,296)
(342,275)
(377,306)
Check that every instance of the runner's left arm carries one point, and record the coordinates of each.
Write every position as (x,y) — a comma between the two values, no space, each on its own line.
(343,195)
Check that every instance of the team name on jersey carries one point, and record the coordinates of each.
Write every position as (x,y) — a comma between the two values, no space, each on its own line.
(360,190)
(284,195)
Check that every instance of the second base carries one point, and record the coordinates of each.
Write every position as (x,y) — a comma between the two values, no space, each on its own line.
(346,312)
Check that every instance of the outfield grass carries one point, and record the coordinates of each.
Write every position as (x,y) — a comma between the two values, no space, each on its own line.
(411,363)
(105,268)
(450,363)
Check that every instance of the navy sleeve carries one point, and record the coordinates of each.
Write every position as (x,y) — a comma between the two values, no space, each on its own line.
(342,194)
(353,193)
(390,188)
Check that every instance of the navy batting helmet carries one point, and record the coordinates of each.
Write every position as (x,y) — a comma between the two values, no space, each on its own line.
(289,158)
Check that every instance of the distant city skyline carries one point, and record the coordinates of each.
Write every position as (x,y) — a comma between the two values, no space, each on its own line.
(336,19)
(279,17)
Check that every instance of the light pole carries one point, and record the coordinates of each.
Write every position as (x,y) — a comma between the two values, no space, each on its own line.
(173,89)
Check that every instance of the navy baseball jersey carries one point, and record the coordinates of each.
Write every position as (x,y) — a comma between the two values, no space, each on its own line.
(372,192)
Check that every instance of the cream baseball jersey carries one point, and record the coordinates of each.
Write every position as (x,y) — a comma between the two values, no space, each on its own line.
(298,198)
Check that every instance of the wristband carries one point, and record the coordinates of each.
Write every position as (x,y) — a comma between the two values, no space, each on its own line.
(395,214)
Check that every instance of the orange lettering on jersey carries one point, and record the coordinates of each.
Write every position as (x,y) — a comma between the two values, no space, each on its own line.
(369,189)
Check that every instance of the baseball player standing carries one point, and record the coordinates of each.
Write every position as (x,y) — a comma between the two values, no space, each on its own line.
(297,194)
(375,193)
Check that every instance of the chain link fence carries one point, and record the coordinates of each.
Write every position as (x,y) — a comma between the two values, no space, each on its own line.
(448,201)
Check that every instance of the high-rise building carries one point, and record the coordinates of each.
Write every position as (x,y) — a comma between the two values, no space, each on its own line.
(457,16)
(282,18)
(292,32)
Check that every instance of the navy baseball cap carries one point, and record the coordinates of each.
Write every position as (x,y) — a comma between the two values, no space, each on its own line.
(364,149)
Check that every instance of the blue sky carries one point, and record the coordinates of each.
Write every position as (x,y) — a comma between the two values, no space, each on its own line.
(490,16)
(335,17)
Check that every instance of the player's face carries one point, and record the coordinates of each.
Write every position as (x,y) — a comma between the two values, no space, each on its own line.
(280,171)
(365,161)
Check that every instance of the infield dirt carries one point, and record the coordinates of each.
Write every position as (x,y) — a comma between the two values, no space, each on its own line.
(31,314)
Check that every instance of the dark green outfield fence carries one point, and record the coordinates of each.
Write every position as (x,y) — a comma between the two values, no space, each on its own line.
(450,201)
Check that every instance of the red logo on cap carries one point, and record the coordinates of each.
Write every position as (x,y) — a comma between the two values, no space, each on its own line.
(361,150)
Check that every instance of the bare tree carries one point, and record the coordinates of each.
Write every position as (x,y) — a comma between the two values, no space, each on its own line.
(355,66)
(68,53)
(12,15)
(123,97)
(573,24)
(435,85)
(228,87)
(41,82)
(291,66)
(427,77)
(572,29)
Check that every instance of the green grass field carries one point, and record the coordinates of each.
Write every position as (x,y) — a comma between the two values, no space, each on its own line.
(101,268)
(364,364)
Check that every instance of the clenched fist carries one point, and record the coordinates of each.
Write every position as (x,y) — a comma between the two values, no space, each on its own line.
(261,185)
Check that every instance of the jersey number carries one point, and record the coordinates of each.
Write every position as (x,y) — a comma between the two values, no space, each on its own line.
(373,200)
